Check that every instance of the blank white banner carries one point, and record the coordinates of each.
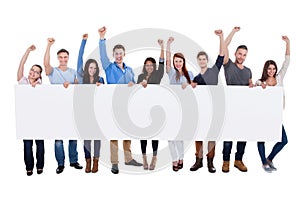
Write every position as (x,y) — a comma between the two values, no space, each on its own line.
(167,112)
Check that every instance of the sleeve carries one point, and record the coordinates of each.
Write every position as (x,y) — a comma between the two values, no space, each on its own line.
(101,80)
(219,62)
(80,61)
(140,78)
(103,54)
(284,68)
(191,75)
(160,70)
(228,63)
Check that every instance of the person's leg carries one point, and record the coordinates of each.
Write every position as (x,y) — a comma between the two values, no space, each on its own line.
(240,150)
(154,157)
(59,152)
(210,156)
(199,156)
(261,151)
(144,147)
(173,152)
(114,158)
(278,146)
(97,146)
(73,154)
(40,153)
(227,146)
(28,156)
(127,150)
(180,151)
(87,155)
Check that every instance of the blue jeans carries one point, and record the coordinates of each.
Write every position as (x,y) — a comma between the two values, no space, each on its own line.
(240,150)
(28,154)
(60,152)
(87,148)
(276,149)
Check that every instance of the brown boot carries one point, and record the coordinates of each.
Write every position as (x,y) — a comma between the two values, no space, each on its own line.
(145,162)
(95,165)
(153,163)
(225,167)
(210,165)
(198,164)
(88,165)
(240,165)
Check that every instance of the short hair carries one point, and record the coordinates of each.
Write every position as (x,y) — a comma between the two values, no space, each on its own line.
(62,51)
(202,53)
(118,46)
(242,47)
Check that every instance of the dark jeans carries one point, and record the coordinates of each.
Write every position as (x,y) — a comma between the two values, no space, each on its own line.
(240,150)
(87,148)
(28,154)
(60,152)
(276,149)
(154,146)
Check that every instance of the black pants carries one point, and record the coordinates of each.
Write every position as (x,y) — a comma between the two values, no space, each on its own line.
(154,146)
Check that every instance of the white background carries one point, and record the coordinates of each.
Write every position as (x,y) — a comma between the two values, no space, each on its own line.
(31,22)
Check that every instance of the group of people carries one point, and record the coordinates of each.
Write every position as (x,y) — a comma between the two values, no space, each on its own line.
(117,72)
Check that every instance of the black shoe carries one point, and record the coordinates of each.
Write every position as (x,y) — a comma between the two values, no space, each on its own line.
(198,164)
(39,171)
(115,169)
(180,165)
(133,163)
(76,165)
(210,165)
(29,172)
(60,169)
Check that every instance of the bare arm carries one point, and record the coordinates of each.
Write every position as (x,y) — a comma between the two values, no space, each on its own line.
(48,67)
(227,42)
(20,73)
(162,52)
(222,42)
(168,54)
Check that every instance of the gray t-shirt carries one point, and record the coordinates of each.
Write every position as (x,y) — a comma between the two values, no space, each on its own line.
(235,75)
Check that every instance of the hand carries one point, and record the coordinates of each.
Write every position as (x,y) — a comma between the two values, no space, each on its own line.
(236,29)
(285,38)
(264,85)
(31,48)
(161,43)
(66,84)
(170,40)
(98,83)
(50,41)
(219,32)
(102,32)
(144,83)
(34,83)
(251,85)
(85,36)
(130,84)
(193,84)
(184,85)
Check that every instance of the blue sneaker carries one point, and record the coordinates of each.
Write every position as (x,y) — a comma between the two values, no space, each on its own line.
(267,168)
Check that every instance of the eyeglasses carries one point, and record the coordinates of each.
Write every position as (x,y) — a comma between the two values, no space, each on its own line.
(36,72)
(149,65)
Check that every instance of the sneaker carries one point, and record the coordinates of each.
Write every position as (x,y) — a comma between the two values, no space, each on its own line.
(76,165)
(60,169)
(133,163)
(273,168)
(240,165)
(267,168)
(115,169)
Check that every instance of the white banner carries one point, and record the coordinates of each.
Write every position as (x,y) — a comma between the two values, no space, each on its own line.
(157,112)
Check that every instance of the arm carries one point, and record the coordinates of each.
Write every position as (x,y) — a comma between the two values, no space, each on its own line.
(48,67)
(160,70)
(80,55)
(227,42)
(102,48)
(168,54)
(220,59)
(286,62)
(20,73)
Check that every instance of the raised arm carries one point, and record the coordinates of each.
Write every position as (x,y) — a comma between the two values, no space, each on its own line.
(220,60)
(160,69)
(80,56)
(286,62)
(168,54)
(227,42)
(287,46)
(48,67)
(20,73)
(102,48)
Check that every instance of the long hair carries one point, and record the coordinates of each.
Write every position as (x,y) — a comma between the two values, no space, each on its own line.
(86,75)
(264,75)
(184,70)
(152,60)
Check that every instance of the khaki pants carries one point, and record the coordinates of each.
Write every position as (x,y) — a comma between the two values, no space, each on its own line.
(210,148)
(114,158)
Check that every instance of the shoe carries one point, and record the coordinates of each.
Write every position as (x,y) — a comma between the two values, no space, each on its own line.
(88,165)
(225,167)
(198,164)
(76,165)
(29,172)
(153,163)
(210,165)
(60,169)
(133,163)
(175,168)
(267,168)
(115,169)
(240,165)
(145,162)
(39,171)
(180,165)
(95,165)
(270,163)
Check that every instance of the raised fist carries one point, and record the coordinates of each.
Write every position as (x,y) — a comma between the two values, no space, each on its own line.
(51,41)
(102,32)
(85,36)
